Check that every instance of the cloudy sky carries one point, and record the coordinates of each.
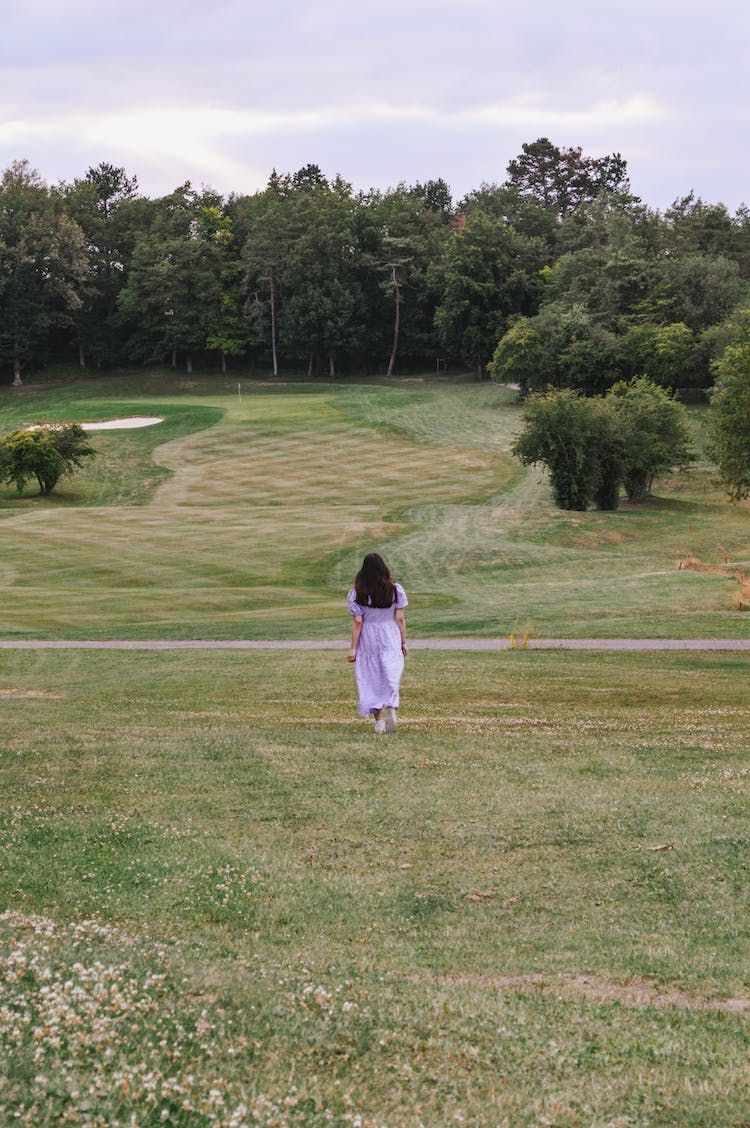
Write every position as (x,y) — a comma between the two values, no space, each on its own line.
(396,90)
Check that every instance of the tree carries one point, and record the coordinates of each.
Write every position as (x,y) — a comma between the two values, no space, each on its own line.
(563,179)
(487,273)
(693,227)
(230,325)
(523,357)
(699,290)
(322,316)
(729,426)
(664,353)
(654,432)
(410,228)
(560,347)
(42,265)
(592,446)
(574,438)
(172,300)
(44,453)
(95,203)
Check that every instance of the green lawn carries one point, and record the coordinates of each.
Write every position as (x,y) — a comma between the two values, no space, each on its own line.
(224,902)
(527,906)
(247,517)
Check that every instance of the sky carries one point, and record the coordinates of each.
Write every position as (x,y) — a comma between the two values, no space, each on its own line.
(382,92)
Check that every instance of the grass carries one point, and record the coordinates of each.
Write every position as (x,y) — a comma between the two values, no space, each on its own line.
(229,904)
(223,903)
(247,517)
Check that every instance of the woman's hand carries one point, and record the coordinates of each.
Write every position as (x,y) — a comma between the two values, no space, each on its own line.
(404,649)
(352,655)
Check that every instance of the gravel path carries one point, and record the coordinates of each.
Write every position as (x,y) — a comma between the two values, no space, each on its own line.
(414,644)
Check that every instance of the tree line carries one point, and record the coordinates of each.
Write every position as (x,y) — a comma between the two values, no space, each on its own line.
(558,277)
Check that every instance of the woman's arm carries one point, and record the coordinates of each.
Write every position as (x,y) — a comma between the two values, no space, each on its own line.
(356,632)
(401,620)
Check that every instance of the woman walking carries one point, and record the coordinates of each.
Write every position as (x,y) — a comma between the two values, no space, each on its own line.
(378,647)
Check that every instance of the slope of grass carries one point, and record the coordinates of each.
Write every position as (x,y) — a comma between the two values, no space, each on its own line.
(228,903)
(247,515)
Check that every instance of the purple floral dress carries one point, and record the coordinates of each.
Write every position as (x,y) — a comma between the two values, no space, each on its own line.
(380,662)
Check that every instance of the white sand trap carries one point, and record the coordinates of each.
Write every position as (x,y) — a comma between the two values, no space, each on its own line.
(106,424)
(117,424)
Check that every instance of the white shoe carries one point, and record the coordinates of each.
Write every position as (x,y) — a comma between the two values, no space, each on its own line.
(391,721)
(379,725)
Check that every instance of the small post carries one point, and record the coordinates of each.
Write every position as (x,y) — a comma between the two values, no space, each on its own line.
(239,392)
(512,641)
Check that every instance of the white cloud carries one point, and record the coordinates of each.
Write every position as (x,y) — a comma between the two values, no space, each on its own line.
(177,89)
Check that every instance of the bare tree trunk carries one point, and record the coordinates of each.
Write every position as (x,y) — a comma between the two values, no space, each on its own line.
(310,367)
(189,363)
(331,366)
(17,381)
(396,324)
(81,355)
(174,356)
(273,328)
(223,361)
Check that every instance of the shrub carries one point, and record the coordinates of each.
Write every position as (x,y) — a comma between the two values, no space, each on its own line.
(44,453)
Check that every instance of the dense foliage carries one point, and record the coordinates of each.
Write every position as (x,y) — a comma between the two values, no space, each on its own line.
(581,283)
(44,453)
(591,446)
(730,418)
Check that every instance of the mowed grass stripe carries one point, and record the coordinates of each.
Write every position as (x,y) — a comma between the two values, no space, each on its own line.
(286,489)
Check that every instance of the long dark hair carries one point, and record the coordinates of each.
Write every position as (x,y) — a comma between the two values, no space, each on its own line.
(373,583)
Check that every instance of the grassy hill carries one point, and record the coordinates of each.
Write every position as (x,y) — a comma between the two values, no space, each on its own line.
(225,903)
(246,514)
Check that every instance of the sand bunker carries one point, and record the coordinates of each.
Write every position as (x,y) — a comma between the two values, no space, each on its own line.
(116,424)
(108,424)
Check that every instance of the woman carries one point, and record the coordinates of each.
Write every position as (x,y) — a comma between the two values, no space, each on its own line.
(378,646)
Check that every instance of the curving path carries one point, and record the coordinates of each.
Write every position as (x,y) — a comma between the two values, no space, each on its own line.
(414,644)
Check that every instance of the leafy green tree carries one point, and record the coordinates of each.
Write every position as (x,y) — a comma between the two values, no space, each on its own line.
(694,227)
(410,226)
(301,270)
(729,419)
(42,265)
(654,432)
(322,316)
(44,453)
(698,290)
(173,296)
(487,273)
(590,356)
(94,202)
(524,213)
(559,348)
(607,281)
(563,179)
(434,196)
(271,222)
(232,328)
(524,357)
(573,438)
(591,446)
(667,354)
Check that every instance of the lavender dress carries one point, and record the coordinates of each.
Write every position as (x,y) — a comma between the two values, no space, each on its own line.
(380,662)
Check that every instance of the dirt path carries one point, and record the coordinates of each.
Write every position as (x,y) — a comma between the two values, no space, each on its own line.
(414,644)
(640,993)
